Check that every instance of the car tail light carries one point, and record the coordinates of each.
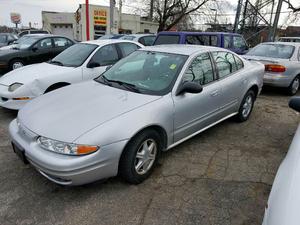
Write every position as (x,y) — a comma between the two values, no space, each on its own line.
(275,68)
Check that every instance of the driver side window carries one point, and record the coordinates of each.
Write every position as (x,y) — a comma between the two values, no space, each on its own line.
(200,70)
(107,55)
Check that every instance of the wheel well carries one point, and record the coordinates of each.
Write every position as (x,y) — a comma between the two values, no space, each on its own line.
(255,89)
(161,131)
(56,86)
(14,59)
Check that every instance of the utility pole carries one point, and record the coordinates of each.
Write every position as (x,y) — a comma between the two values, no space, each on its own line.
(111,17)
(237,16)
(120,14)
(151,10)
(272,33)
(87,16)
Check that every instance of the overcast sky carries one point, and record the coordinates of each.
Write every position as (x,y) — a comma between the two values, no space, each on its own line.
(30,10)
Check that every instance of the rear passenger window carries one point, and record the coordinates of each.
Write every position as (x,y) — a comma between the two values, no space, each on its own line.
(61,42)
(127,48)
(200,70)
(167,39)
(225,63)
(208,40)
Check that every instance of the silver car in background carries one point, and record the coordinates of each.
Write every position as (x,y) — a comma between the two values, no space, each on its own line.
(282,64)
(150,101)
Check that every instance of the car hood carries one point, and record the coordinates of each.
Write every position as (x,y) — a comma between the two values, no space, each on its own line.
(7,47)
(67,113)
(29,73)
(8,51)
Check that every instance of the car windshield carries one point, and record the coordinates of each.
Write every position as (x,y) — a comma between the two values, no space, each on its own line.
(273,51)
(75,55)
(167,39)
(26,42)
(147,71)
(3,38)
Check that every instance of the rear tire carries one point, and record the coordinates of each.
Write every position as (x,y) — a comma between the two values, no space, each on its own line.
(294,86)
(246,107)
(140,156)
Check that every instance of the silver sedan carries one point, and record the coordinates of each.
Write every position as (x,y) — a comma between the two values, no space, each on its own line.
(282,64)
(147,103)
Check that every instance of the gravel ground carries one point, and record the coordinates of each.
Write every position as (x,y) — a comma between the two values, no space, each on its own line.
(220,177)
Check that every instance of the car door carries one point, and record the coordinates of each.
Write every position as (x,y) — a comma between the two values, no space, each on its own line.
(232,80)
(103,57)
(41,51)
(194,112)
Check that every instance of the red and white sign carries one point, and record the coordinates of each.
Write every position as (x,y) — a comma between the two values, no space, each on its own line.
(15,18)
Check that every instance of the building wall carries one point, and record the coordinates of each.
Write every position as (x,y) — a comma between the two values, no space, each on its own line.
(130,23)
(149,26)
(54,21)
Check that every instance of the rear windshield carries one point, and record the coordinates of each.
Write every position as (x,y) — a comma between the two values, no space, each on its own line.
(167,39)
(273,51)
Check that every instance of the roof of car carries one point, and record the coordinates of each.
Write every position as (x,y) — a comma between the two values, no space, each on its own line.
(140,35)
(108,41)
(289,37)
(181,49)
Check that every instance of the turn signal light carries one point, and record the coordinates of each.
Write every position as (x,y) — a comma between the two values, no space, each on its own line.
(86,149)
(275,68)
(22,98)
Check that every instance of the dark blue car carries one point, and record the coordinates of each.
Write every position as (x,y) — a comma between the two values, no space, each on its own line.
(232,41)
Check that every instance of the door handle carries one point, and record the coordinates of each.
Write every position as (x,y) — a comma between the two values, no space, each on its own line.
(214,93)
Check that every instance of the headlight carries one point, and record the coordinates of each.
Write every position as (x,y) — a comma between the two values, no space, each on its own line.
(66,148)
(14,86)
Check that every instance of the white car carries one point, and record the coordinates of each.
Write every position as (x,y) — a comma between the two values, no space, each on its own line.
(283,204)
(82,61)
(145,39)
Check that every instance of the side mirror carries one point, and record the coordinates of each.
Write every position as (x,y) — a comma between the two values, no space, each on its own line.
(93,65)
(295,103)
(34,49)
(189,87)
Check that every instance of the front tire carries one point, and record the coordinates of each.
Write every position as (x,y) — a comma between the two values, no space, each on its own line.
(294,86)
(16,63)
(140,156)
(246,106)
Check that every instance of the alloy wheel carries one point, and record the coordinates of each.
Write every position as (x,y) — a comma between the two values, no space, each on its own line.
(145,156)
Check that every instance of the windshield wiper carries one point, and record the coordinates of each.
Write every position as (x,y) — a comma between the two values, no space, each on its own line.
(15,48)
(104,80)
(128,86)
(56,62)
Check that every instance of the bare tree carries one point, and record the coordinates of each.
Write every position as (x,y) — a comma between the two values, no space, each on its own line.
(168,13)
(292,6)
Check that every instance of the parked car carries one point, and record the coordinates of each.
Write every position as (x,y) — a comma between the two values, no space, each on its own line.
(282,64)
(21,39)
(110,36)
(289,39)
(33,50)
(24,32)
(144,39)
(232,41)
(283,203)
(82,61)
(7,39)
(148,102)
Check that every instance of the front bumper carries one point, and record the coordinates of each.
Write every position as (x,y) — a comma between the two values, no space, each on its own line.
(277,79)
(64,169)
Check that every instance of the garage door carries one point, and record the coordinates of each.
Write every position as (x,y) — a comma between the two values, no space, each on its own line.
(64,30)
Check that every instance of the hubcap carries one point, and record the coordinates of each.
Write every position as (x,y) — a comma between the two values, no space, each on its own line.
(17,65)
(295,85)
(247,106)
(145,156)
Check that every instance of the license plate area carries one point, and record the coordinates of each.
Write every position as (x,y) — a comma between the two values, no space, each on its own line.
(20,153)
